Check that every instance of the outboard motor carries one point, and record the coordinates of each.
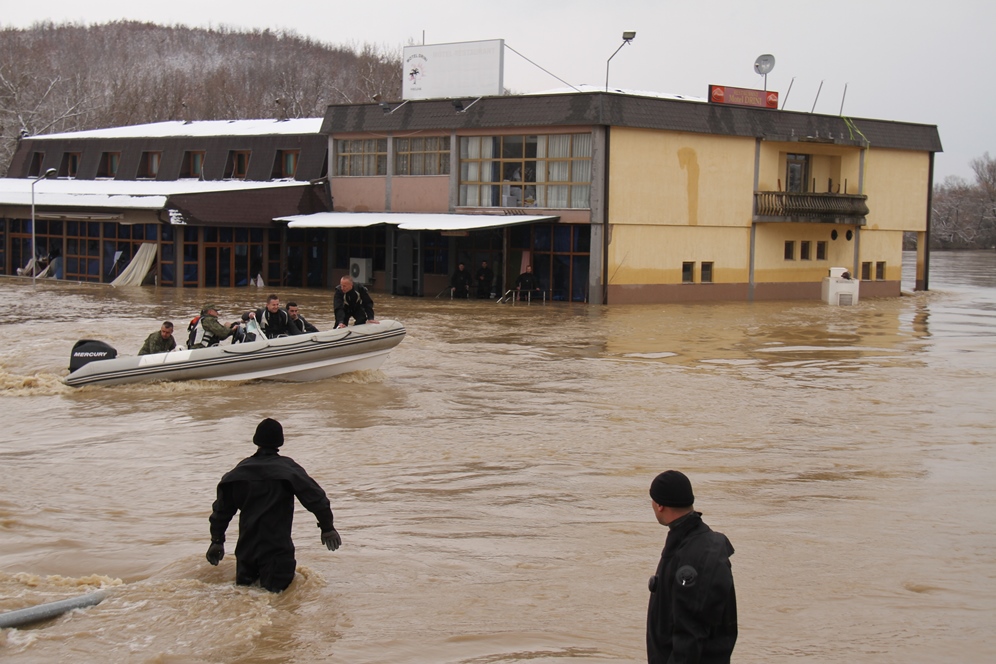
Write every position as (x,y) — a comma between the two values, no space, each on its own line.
(88,350)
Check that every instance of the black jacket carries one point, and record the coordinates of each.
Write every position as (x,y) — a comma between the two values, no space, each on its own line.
(347,305)
(262,488)
(303,325)
(526,281)
(275,325)
(461,282)
(692,616)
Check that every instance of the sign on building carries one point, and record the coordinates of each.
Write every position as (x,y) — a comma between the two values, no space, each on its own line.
(461,69)
(724,94)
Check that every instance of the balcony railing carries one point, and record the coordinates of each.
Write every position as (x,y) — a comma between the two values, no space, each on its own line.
(823,208)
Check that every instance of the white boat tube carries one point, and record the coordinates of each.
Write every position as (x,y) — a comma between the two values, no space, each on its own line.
(49,610)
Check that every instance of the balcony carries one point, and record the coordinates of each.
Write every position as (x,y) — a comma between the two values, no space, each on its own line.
(820,208)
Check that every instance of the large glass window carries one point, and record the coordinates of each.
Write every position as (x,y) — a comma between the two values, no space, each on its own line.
(796,172)
(361,157)
(548,171)
(428,155)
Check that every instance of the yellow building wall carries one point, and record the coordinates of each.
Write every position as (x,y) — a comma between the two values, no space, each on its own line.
(833,166)
(642,255)
(771,266)
(897,183)
(877,246)
(676,179)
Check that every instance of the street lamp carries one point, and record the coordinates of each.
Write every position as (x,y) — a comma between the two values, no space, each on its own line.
(34,248)
(627,38)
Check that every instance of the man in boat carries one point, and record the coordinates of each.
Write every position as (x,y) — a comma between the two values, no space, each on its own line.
(692,615)
(262,489)
(159,342)
(298,320)
(207,331)
(352,301)
(274,321)
(460,282)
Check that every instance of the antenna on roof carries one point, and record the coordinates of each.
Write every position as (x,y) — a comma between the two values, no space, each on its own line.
(842,97)
(817,97)
(763,65)
(785,100)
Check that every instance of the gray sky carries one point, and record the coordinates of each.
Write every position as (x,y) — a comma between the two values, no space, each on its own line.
(913,61)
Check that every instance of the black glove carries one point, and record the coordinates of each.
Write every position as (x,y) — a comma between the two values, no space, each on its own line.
(215,552)
(331,539)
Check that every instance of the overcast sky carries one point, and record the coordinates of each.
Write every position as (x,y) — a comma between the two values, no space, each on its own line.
(912,60)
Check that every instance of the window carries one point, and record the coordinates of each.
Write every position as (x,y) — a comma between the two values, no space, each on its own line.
(422,156)
(435,253)
(821,250)
(796,172)
(193,165)
(36,163)
(706,272)
(790,250)
(70,164)
(361,157)
(108,167)
(866,271)
(880,270)
(804,250)
(687,273)
(285,165)
(238,164)
(526,171)
(148,166)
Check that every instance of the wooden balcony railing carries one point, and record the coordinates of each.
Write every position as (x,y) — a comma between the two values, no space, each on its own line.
(824,208)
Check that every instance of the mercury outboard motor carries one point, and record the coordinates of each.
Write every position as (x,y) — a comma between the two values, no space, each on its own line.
(88,350)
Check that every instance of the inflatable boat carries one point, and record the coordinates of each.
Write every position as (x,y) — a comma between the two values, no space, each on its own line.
(299,358)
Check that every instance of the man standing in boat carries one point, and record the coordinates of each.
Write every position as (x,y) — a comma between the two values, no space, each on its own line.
(262,489)
(352,301)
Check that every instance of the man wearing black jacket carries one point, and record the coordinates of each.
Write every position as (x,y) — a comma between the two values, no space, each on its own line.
(262,489)
(352,301)
(693,605)
(274,321)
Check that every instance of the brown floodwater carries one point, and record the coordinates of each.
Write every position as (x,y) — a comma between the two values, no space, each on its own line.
(490,480)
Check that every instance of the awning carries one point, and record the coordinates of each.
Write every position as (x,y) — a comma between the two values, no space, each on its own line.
(412,221)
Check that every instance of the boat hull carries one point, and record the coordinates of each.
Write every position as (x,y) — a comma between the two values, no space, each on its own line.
(300,358)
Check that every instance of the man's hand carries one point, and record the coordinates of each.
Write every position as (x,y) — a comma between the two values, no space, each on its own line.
(215,553)
(331,539)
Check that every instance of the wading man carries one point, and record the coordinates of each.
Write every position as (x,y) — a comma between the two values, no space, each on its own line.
(693,606)
(262,489)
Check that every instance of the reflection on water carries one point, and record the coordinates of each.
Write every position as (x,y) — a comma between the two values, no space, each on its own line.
(490,481)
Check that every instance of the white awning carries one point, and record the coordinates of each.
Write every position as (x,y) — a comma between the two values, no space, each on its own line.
(411,221)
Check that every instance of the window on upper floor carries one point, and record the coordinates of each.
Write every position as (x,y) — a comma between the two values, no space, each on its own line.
(237,165)
(790,250)
(148,166)
(193,164)
(363,156)
(70,164)
(428,155)
(797,173)
(34,170)
(805,250)
(550,171)
(285,164)
(108,167)
(821,250)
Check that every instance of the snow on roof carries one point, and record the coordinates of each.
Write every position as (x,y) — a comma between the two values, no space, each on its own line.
(130,194)
(585,87)
(199,128)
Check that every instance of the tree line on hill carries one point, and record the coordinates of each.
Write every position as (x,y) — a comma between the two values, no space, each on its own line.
(68,77)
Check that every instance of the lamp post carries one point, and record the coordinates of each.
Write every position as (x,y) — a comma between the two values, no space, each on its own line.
(34,247)
(627,38)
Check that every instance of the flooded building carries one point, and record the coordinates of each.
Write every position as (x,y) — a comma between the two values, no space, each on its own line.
(609,197)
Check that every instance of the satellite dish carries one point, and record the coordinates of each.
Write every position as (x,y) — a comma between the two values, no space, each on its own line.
(764,64)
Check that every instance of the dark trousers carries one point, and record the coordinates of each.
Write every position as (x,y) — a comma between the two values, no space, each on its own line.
(274,574)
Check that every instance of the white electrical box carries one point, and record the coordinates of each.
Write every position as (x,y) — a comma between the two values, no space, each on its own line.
(839,289)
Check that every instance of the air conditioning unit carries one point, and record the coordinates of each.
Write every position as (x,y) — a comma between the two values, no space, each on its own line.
(361,270)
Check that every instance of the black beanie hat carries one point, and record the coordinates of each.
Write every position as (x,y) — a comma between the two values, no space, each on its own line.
(269,433)
(672,489)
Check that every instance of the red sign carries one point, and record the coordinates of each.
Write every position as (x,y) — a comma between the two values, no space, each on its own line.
(724,94)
